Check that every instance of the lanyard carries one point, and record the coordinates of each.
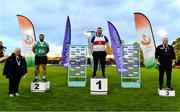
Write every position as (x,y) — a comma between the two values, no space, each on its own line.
(18,61)
(165,47)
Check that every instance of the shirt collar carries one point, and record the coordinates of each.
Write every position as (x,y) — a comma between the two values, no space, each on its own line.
(99,36)
(41,42)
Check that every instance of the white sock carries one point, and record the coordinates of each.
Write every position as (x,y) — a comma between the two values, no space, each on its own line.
(44,77)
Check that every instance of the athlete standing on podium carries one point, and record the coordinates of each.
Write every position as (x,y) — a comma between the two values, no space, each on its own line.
(165,58)
(41,48)
(99,45)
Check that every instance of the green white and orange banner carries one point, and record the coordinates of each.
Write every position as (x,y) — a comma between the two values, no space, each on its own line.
(28,38)
(146,39)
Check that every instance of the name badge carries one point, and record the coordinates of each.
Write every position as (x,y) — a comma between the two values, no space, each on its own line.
(41,51)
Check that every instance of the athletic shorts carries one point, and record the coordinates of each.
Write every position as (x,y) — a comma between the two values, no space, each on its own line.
(40,60)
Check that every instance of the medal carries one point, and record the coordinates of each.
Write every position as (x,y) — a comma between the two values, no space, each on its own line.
(18,61)
(165,48)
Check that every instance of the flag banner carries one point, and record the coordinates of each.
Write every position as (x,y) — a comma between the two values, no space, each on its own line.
(146,39)
(90,35)
(116,45)
(28,38)
(66,44)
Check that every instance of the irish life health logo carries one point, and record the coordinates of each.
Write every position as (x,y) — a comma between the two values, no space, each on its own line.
(28,39)
(146,40)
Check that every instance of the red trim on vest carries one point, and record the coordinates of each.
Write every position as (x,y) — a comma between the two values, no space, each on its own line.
(99,43)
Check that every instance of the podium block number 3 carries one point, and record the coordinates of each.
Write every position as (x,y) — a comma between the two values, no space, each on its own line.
(167,93)
(36,86)
(99,84)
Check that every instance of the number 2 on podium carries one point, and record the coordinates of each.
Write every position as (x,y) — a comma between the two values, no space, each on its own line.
(99,83)
(36,86)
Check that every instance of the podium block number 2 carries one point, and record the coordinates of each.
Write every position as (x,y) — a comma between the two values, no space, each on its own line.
(99,84)
(36,86)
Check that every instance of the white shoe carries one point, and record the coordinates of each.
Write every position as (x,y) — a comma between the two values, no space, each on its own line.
(16,94)
(11,95)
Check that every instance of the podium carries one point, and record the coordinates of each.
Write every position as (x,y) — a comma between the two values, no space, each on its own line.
(40,86)
(99,86)
(77,66)
(166,93)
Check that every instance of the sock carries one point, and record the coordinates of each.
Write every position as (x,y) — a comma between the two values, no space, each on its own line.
(44,77)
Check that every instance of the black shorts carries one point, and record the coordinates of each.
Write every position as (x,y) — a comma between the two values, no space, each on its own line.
(40,60)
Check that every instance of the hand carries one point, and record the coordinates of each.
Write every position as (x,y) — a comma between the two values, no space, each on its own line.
(24,76)
(157,62)
(173,64)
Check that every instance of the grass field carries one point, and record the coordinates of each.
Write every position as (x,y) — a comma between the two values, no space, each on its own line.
(61,97)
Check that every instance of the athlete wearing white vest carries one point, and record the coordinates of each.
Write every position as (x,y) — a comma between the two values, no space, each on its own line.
(99,43)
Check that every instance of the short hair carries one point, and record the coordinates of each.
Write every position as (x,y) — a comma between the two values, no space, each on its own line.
(41,35)
(99,28)
(17,49)
(165,38)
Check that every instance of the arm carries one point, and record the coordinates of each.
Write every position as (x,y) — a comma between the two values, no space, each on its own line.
(107,46)
(7,68)
(33,49)
(47,48)
(91,47)
(91,44)
(157,56)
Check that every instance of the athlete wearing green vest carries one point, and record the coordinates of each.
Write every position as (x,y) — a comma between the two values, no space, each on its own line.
(40,48)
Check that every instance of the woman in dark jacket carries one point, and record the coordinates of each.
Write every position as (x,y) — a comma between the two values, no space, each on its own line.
(15,67)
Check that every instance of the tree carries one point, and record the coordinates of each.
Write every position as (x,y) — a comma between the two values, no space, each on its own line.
(176,46)
(2,49)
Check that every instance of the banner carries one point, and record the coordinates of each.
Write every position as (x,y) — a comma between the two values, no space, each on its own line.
(66,44)
(89,35)
(116,45)
(28,38)
(146,39)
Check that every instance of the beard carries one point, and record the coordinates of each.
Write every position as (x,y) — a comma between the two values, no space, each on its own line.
(41,40)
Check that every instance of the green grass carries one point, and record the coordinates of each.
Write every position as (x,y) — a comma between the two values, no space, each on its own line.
(61,97)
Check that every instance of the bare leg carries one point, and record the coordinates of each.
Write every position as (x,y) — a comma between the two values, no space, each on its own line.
(44,71)
(37,71)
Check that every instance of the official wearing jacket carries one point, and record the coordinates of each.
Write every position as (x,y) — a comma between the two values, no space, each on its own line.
(15,67)
(165,58)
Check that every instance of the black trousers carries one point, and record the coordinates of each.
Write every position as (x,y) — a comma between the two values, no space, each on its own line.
(162,69)
(99,55)
(14,81)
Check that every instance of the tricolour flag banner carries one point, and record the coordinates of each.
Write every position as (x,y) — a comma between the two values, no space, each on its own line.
(66,44)
(146,39)
(28,38)
(116,45)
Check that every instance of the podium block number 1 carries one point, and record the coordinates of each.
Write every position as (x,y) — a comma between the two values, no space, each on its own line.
(99,84)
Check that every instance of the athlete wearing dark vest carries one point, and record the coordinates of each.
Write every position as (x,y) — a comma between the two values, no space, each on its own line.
(165,58)
(41,48)
(99,43)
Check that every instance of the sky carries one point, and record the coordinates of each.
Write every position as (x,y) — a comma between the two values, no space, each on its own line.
(49,17)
